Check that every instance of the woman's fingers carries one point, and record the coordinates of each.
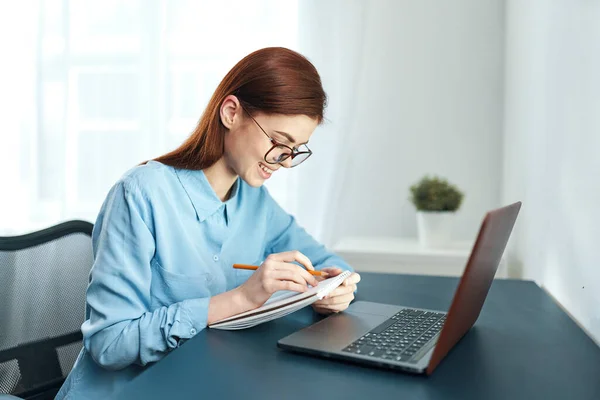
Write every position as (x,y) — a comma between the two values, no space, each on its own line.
(289,275)
(295,273)
(340,291)
(332,271)
(296,270)
(352,279)
(342,299)
(291,256)
(288,285)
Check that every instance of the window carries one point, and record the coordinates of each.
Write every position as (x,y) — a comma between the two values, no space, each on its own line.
(120,82)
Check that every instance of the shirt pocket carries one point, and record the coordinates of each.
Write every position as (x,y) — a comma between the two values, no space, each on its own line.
(168,287)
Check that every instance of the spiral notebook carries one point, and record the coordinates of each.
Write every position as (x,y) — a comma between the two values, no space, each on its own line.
(280,304)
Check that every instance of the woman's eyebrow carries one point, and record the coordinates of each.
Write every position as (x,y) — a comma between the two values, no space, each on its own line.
(288,137)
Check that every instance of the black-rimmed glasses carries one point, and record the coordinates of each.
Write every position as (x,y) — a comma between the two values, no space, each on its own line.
(280,152)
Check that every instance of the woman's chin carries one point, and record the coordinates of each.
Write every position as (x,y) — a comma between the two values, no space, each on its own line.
(253,180)
(256,183)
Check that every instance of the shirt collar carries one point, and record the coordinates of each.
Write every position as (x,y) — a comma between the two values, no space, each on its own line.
(202,195)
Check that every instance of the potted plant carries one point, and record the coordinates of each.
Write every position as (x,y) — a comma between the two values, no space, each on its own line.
(436,202)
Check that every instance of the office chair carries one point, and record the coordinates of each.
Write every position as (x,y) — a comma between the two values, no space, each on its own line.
(43,281)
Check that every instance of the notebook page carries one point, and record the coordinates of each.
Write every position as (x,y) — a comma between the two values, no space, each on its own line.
(324,287)
(250,321)
(279,299)
(331,284)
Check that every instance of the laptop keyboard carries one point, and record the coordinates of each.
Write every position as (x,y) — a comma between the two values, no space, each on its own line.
(400,337)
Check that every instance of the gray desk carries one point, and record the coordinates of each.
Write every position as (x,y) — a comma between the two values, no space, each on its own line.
(523,346)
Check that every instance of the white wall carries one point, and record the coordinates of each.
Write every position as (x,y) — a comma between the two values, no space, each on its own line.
(552,149)
(428,99)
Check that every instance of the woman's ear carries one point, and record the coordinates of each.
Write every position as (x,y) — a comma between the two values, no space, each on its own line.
(229,111)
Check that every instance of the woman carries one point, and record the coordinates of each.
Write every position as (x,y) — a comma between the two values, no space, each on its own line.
(170,230)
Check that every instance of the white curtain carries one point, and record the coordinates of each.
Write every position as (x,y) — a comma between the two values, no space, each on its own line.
(90,89)
(331,35)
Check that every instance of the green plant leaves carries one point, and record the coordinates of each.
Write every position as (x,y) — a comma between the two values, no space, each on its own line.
(435,194)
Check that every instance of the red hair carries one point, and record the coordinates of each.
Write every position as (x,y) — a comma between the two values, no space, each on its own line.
(273,80)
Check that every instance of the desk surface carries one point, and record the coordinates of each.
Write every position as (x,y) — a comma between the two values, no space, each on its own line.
(523,346)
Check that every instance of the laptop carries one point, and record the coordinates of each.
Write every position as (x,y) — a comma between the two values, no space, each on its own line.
(411,339)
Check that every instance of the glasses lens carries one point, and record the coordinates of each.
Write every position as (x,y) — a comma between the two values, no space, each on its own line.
(277,154)
(300,158)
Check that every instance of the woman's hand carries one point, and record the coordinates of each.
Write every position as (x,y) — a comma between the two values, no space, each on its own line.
(339,299)
(277,273)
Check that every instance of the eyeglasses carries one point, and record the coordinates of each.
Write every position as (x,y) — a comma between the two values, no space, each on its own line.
(280,152)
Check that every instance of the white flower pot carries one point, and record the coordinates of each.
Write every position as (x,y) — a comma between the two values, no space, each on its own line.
(435,228)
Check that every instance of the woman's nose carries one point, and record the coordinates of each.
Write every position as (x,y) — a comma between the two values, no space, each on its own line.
(287,163)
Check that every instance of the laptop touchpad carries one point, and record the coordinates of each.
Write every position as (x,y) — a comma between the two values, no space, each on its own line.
(368,307)
(347,326)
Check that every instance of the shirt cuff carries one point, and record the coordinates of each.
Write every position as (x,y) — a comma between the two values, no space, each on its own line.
(193,318)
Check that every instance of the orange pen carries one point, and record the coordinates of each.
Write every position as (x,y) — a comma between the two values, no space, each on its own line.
(254,267)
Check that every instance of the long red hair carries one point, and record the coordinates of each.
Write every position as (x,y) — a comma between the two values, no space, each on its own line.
(273,80)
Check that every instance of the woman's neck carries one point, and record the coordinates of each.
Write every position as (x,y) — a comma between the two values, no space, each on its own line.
(221,178)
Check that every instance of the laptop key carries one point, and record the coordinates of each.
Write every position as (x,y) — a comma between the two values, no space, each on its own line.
(383,326)
(366,349)
(375,353)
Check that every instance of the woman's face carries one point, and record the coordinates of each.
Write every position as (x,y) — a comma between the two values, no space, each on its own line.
(246,144)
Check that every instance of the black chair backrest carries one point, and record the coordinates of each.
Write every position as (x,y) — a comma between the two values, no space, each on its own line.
(43,282)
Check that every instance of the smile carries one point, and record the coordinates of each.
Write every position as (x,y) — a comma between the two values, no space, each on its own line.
(266,172)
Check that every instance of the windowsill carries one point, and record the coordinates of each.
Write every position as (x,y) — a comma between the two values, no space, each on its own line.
(405,255)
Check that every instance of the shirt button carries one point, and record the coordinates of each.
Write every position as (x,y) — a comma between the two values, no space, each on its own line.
(216,257)
(192,331)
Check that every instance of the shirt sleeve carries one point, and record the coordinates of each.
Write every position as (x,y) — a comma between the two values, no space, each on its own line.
(285,234)
(120,327)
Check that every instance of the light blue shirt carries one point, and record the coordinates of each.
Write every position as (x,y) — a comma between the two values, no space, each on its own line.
(163,244)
